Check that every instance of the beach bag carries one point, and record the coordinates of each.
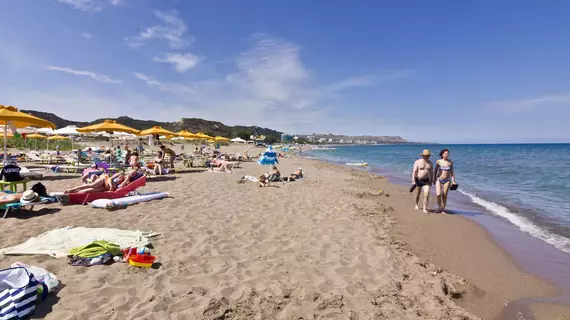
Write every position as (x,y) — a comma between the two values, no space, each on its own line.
(18,294)
(40,189)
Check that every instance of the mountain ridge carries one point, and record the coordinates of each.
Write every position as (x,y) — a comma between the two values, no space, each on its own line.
(212,128)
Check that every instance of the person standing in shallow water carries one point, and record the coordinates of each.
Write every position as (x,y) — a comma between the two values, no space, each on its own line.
(422,178)
(445,178)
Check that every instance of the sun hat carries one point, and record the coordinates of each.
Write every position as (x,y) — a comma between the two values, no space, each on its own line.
(29,196)
(425,153)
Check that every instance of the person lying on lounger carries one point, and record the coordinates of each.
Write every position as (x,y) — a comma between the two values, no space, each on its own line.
(105,182)
(89,173)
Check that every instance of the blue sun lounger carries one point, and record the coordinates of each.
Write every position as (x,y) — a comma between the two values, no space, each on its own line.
(11,207)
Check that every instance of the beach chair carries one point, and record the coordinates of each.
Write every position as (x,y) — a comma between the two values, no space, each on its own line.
(12,207)
(34,158)
(31,173)
(14,184)
(83,198)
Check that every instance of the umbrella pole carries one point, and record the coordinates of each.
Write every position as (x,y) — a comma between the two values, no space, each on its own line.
(5,146)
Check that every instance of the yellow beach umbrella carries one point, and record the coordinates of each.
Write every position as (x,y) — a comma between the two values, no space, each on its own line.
(220,138)
(35,136)
(10,135)
(57,137)
(157,130)
(187,134)
(108,126)
(201,135)
(10,116)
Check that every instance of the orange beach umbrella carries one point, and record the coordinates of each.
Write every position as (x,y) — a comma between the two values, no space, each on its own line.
(35,136)
(157,130)
(57,137)
(108,126)
(10,116)
(201,135)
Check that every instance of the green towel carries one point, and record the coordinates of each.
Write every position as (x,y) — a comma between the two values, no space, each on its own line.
(95,249)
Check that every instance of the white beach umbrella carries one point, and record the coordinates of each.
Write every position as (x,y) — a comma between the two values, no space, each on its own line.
(67,131)
(47,131)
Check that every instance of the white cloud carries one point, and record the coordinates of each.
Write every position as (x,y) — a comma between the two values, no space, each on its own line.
(95,76)
(170,87)
(181,61)
(83,5)
(272,71)
(529,104)
(87,35)
(90,5)
(172,30)
(269,86)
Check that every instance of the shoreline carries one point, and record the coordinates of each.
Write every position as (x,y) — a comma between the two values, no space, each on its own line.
(461,251)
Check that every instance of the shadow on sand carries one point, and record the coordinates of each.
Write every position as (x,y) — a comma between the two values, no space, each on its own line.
(160,178)
(29,214)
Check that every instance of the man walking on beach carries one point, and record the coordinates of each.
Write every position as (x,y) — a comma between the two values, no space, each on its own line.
(422,178)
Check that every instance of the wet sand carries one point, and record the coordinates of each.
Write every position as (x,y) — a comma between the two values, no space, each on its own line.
(329,247)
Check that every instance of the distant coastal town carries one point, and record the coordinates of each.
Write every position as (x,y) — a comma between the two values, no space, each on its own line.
(342,139)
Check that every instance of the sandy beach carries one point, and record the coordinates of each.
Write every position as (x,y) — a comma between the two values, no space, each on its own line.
(340,244)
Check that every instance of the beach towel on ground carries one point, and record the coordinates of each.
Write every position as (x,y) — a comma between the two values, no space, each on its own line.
(57,243)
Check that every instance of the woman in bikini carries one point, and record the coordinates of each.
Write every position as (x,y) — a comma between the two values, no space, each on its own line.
(159,163)
(445,177)
(104,182)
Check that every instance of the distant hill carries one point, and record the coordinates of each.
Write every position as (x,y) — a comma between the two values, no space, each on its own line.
(212,128)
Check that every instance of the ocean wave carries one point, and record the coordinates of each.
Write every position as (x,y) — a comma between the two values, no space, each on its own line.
(524,224)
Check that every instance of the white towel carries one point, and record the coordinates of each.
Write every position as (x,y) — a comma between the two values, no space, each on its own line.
(58,242)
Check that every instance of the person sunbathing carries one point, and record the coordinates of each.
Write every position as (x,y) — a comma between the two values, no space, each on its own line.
(104,182)
(99,183)
(295,176)
(275,175)
(6,198)
(225,167)
(263,180)
(88,173)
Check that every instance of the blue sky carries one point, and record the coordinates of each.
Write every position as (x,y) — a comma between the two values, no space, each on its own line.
(441,71)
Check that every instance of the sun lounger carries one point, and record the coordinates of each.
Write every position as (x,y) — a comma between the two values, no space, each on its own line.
(31,173)
(34,158)
(11,207)
(83,198)
(65,168)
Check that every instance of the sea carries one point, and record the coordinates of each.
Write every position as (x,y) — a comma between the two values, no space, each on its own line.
(526,184)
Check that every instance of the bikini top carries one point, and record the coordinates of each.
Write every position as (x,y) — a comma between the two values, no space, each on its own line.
(447,168)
